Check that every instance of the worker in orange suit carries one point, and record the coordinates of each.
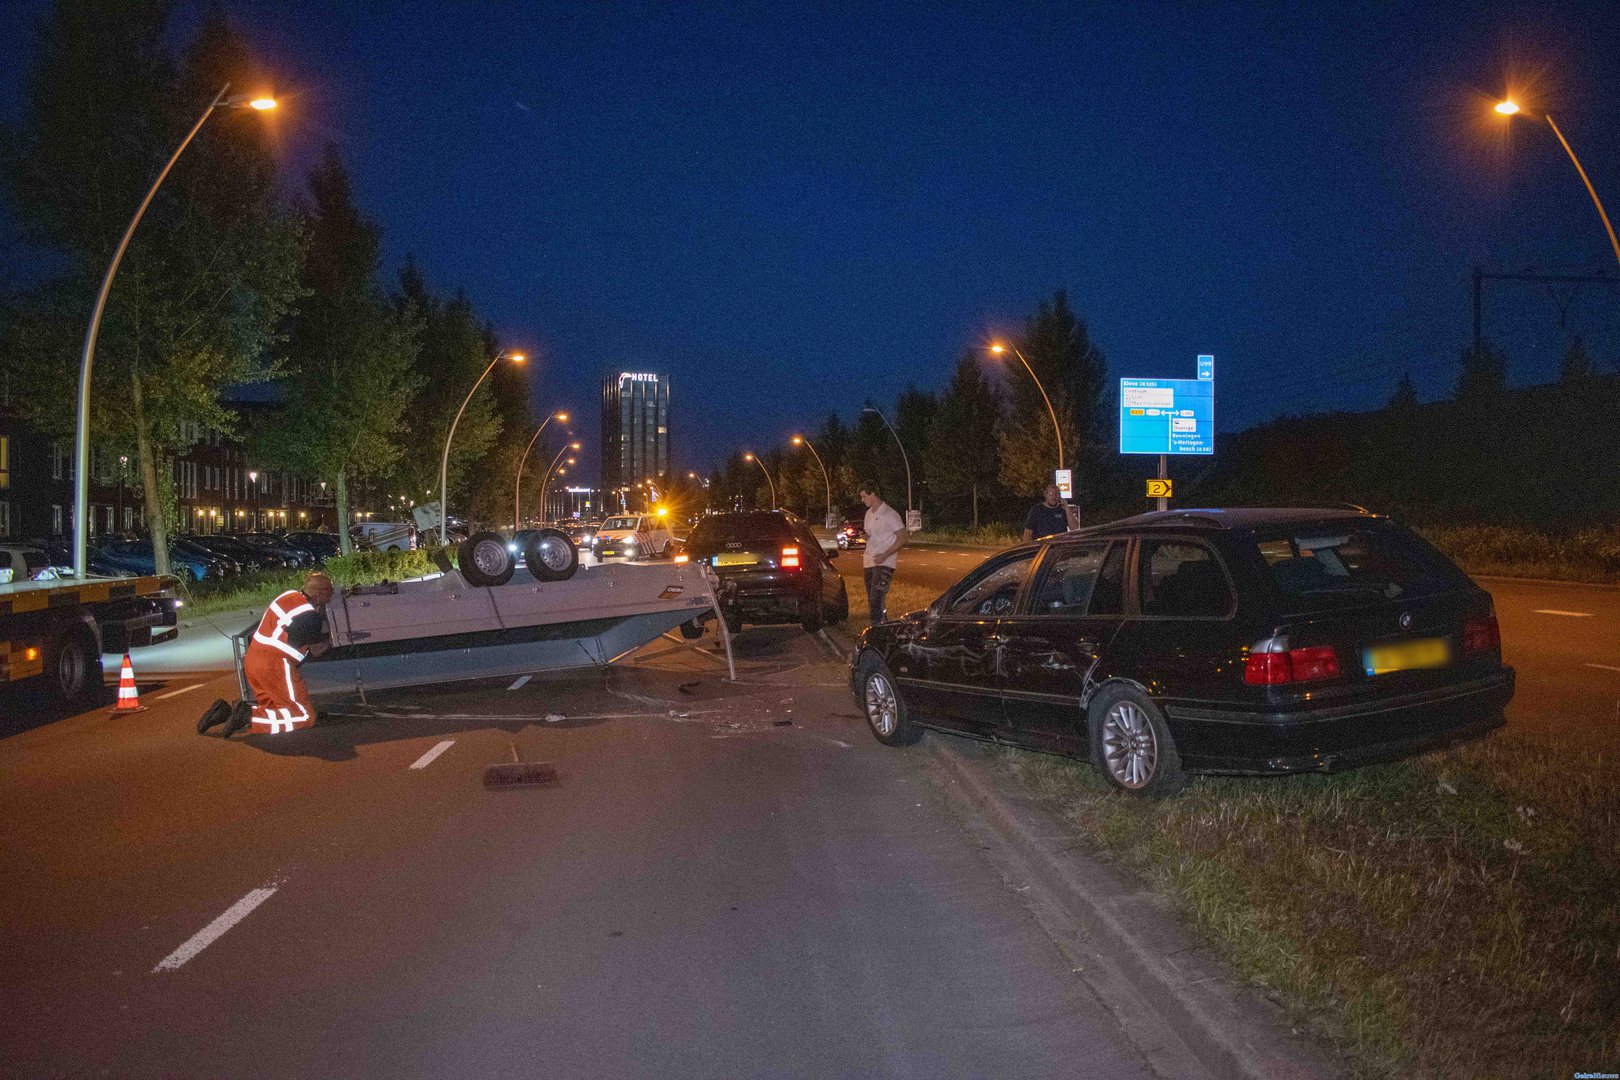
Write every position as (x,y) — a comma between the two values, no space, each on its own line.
(292,628)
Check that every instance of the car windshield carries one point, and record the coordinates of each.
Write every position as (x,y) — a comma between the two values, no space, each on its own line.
(621,523)
(1354,561)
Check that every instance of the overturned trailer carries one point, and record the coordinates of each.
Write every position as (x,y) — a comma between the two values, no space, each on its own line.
(444,629)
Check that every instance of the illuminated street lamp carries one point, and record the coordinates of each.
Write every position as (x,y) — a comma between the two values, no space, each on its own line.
(1057,433)
(547,478)
(1508,108)
(903,456)
(767,472)
(81,446)
(444,462)
(517,494)
(800,439)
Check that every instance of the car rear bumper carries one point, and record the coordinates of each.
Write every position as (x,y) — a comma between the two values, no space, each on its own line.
(1342,736)
(759,602)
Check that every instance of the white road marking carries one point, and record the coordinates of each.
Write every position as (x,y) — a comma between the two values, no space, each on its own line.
(1571,614)
(1603,667)
(176,693)
(427,759)
(214,930)
(519,684)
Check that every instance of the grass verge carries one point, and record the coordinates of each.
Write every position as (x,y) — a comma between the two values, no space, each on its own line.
(1590,555)
(1452,915)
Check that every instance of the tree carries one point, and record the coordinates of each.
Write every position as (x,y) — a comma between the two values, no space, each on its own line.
(1060,352)
(914,413)
(961,450)
(1483,378)
(454,351)
(1405,396)
(350,351)
(1577,365)
(210,273)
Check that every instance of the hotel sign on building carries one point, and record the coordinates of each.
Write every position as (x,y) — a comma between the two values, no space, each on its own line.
(635,428)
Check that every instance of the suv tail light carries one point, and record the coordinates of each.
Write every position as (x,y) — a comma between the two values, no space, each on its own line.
(790,558)
(1481,632)
(1271,662)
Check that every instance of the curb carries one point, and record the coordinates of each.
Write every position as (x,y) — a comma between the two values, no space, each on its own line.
(1136,946)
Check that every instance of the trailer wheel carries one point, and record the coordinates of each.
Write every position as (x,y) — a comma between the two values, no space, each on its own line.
(550,555)
(484,560)
(72,668)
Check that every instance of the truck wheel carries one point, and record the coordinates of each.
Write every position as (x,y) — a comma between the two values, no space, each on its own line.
(551,556)
(72,668)
(484,560)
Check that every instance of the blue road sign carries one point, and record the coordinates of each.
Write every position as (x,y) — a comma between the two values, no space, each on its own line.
(1169,416)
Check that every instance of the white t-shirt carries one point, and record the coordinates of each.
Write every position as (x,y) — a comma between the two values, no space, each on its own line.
(883,525)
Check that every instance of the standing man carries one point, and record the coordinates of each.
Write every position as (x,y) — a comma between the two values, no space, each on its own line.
(1047,517)
(885,536)
(291,630)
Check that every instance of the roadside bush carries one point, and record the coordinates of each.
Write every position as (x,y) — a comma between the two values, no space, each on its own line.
(373,567)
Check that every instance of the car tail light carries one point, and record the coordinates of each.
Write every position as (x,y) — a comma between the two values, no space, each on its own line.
(1480,633)
(1271,662)
(790,558)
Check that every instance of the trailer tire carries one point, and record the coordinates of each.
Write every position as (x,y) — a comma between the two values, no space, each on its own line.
(551,556)
(484,560)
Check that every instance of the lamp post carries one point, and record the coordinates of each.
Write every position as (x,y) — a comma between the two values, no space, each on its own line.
(1057,432)
(253,496)
(444,462)
(768,479)
(123,472)
(547,478)
(81,446)
(797,439)
(1510,107)
(517,492)
(903,456)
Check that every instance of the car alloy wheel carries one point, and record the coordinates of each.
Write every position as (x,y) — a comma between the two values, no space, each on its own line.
(882,706)
(1129,745)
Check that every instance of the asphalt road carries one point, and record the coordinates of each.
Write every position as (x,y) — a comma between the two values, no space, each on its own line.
(1563,639)
(728,880)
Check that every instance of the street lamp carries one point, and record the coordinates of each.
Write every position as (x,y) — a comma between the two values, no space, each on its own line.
(517,493)
(547,478)
(798,439)
(253,496)
(1508,108)
(81,446)
(903,455)
(444,462)
(1057,432)
(767,472)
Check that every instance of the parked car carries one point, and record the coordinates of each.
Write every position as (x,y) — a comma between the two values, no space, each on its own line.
(249,555)
(633,536)
(61,556)
(770,568)
(321,546)
(851,534)
(135,556)
(280,546)
(1250,641)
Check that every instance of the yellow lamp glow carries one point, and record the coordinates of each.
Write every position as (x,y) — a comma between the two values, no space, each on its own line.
(263,104)
(1508,107)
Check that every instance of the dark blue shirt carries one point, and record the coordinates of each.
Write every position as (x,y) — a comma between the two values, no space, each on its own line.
(1043,520)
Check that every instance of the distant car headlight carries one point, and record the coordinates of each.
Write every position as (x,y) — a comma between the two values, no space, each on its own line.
(512,548)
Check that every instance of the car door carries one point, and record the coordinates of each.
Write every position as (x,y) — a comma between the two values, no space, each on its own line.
(950,668)
(1051,646)
(1178,642)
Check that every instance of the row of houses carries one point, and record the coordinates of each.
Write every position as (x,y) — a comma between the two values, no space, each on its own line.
(218,488)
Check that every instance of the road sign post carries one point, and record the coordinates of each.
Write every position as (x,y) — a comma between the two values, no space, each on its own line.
(1160,489)
(1064,479)
(1168,416)
(1164,484)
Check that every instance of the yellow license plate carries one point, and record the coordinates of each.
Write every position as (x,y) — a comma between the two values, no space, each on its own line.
(738,558)
(1407,656)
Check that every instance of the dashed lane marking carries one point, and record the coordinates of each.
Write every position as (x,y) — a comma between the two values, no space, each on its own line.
(1603,667)
(427,759)
(1571,614)
(214,930)
(519,684)
(177,693)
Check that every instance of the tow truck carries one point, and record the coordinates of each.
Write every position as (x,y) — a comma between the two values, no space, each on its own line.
(54,628)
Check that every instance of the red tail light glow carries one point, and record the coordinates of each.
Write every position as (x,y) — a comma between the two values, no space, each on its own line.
(790,557)
(1272,663)
(1481,633)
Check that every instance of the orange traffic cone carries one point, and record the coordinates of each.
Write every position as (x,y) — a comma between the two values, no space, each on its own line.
(129,698)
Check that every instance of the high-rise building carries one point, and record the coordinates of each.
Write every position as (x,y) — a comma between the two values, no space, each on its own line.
(635,430)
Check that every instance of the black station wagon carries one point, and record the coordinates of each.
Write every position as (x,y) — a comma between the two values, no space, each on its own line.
(1249,641)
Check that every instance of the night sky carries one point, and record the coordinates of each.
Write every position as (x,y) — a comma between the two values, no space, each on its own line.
(791,208)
